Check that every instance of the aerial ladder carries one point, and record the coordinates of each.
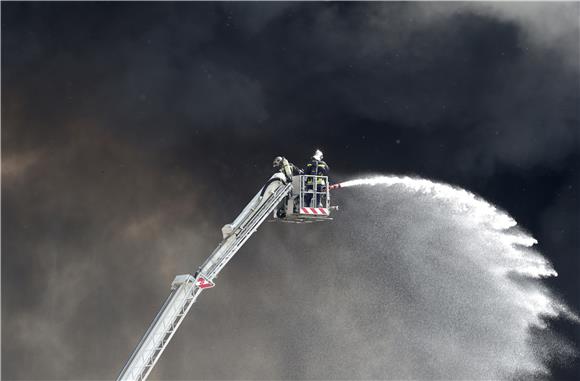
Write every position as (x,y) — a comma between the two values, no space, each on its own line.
(299,200)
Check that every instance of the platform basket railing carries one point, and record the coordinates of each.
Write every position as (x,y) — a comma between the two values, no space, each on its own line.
(309,185)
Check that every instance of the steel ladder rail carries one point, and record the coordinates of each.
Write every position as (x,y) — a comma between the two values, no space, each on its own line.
(247,229)
(152,355)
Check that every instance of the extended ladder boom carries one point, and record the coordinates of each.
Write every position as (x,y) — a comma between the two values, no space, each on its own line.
(186,288)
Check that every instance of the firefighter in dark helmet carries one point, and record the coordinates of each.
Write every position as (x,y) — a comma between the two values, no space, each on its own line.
(316,167)
(288,169)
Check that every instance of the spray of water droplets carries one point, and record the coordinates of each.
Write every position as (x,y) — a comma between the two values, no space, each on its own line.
(411,280)
(495,248)
(480,212)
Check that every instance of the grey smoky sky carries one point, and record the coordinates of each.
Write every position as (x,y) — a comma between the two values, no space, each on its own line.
(132,131)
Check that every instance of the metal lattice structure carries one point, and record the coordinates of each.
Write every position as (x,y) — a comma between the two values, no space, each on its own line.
(186,288)
(176,306)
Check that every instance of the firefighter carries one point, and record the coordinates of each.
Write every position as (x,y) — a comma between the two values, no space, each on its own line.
(316,167)
(287,168)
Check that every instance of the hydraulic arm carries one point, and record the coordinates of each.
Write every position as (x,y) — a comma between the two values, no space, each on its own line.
(186,288)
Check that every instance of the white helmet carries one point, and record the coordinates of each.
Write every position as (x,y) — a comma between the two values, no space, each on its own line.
(318,154)
(277,162)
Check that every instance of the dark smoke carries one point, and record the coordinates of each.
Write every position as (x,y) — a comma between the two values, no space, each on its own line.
(132,132)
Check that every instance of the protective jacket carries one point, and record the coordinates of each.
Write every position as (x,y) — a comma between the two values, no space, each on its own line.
(316,168)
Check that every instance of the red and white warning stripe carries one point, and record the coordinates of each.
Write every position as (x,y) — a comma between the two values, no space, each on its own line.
(315,211)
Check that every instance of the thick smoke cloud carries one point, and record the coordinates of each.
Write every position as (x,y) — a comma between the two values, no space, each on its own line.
(132,132)
(80,262)
(495,73)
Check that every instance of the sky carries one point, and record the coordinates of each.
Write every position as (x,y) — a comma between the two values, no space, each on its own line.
(131,132)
